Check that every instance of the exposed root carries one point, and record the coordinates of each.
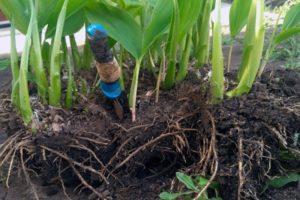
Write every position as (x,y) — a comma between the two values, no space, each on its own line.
(27,177)
(10,168)
(215,157)
(240,164)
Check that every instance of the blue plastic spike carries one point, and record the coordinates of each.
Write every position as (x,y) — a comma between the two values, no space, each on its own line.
(96,30)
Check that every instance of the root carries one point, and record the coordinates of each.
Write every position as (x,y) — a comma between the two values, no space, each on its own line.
(73,162)
(10,168)
(240,165)
(27,176)
(148,144)
(215,158)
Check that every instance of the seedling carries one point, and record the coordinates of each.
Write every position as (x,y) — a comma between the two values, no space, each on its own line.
(193,187)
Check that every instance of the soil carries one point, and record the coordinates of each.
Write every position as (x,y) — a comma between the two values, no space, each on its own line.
(239,139)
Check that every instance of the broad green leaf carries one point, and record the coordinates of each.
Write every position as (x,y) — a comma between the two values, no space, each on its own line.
(292,17)
(239,13)
(123,28)
(133,7)
(187,181)
(74,19)
(188,14)
(19,10)
(169,196)
(45,10)
(161,18)
(120,25)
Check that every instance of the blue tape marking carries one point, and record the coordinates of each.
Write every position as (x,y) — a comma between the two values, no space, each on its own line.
(94,28)
(111,90)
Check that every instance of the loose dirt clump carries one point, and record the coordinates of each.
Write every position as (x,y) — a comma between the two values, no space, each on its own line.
(237,143)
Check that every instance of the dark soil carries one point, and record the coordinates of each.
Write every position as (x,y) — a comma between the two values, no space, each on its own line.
(180,133)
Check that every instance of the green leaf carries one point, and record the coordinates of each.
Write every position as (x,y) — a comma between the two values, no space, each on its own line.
(189,12)
(55,60)
(253,49)
(187,181)
(120,25)
(161,18)
(284,180)
(169,196)
(25,107)
(286,34)
(37,60)
(74,19)
(292,17)
(202,48)
(4,64)
(201,181)
(15,69)
(19,10)
(45,10)
(239,13)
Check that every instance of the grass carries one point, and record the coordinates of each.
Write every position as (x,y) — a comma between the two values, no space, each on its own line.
(4,63)
(289,53)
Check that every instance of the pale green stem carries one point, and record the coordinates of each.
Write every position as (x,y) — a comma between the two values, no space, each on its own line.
(133,89)
(159,78)
(230,56)
(183,67)
(271,47)
(55,63)
(75,52)
(14,68)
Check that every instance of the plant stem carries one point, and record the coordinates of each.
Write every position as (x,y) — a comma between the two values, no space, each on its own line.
(230,56)
(217,80)
(14,67)
(183,67)
(159,78)
(37,61)
(25,106)
(75,52)
(204,27)
(254,44)
(271,47)
(121,61)
(133,89)
(87,55)
(173,43)
(55,63)
(69,95)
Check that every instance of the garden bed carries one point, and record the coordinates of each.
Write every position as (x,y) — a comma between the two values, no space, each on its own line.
(238,142)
